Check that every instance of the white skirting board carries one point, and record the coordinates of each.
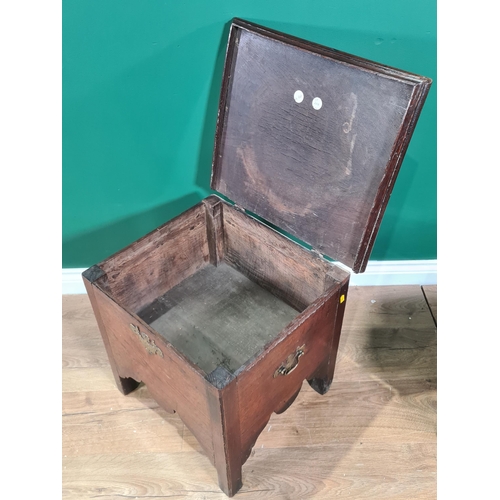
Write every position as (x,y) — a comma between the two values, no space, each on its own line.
(387,272)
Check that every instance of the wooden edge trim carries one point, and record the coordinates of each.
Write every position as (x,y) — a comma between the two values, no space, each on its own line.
(229,61)
(226,436)
(138,242)
(398,152)
(331,53)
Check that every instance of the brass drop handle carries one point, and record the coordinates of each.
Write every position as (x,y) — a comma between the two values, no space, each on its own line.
(290,363)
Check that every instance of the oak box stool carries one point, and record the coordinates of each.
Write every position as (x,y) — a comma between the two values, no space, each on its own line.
(216,311)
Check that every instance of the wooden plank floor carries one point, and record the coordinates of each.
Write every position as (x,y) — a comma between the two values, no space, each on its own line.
(373,435)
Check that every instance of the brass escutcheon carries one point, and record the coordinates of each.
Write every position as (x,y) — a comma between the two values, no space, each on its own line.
(149,344)
(290,363)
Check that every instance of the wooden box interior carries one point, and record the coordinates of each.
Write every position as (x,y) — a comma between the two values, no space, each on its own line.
(217,284)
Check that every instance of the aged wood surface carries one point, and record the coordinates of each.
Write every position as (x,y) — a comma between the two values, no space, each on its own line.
(226,436)
(262,393)
(231,325)
(219,317)
(373,435)
(174,383)
(294,274)
(322,174)
(125,383)
(215,231)
(147,268)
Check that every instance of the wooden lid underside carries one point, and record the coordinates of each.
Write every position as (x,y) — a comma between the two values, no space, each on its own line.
(323,175)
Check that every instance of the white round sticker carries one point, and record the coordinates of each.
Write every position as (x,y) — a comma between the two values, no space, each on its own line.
(298,96)
(317,103)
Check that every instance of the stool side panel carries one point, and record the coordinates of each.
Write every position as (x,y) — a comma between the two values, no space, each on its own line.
(260,392)
(171,379)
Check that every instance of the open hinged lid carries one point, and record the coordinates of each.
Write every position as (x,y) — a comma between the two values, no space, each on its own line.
(311,139)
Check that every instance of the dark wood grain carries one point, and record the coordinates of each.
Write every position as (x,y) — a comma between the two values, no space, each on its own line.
(244,299)
(171,379)
(295,274)
(324,175)
(228,457)
(373,435)
(312,330)
(215,231)
(125,384)
(323,377)
(149,267)
(221,316)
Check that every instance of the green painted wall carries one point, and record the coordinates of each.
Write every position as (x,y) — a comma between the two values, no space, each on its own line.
(140,89)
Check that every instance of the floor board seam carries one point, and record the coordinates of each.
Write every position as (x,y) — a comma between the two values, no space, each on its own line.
(429,306)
